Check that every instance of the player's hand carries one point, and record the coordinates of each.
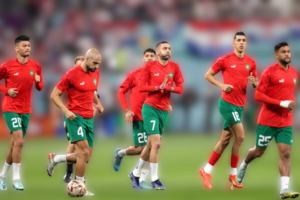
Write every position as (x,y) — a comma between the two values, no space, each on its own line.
(227,88)
(168,88)
(252,79)
(37,78)
(12,92)
(291,106)
(69,115)
(128,116)
(100,108)
(170,109)
(163,84)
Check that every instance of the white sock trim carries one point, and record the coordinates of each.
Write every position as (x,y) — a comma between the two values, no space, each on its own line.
(16,171)
(154,168)
(5,170)
(80,178)
(284,182)
(138,170)
(208,167)
(60,158)
(233,171)
(122,153)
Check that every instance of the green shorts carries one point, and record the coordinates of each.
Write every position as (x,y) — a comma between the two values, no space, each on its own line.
(80,129)
(17,121)
(232,114)
(154,120)
(265,134)
(139,134)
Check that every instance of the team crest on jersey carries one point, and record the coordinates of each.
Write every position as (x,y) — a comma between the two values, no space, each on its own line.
(171,75)
(31,73)
(247,67)
(95,81)
(295,81)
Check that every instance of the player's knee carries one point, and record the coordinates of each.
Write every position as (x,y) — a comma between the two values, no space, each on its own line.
(19,144)
(240,138)
(285,155)
(156,145)
(86,155)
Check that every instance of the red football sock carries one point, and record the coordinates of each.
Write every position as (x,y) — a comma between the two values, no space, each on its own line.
(234,161)
(214,158)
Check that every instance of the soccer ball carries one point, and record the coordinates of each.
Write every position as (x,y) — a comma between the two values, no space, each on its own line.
(76,188)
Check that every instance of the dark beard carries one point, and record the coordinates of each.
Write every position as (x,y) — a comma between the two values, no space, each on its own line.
(90,69)
(165,57)
(285,62)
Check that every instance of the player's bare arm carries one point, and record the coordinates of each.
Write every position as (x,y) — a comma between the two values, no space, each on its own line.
(98,104)
(253,80)
(56,100)
(210,76)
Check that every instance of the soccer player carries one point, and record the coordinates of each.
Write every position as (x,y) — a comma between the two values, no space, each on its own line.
(19,74)
(275,90)
(71,147)
(237,69)
(137,99)
(157,78)
(80,83)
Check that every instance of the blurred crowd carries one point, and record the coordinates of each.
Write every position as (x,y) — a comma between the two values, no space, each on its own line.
(199,31)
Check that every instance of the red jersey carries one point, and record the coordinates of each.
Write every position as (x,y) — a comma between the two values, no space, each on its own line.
(137,98)
(20,76)
(154,73)
(278,84)
(80,87)
(235,72)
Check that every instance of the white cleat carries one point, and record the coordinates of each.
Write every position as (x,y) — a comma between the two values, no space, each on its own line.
(52,164)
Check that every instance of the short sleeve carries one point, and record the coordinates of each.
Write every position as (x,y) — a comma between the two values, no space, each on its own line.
(145,73)
(65,82)
(3,71)
(219,65)
(178,78)
(253,70)
(265,81)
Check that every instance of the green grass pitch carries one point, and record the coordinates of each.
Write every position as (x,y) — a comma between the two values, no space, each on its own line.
(181,156)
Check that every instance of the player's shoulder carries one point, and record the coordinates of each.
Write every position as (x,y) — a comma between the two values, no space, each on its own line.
(10,62)
(293,69)
(269,70)
(249,59)
(32,62)
(151,63)
(173,63)
(73,71)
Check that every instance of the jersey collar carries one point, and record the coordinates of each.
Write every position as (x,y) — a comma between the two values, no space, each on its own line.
(21,63)
(279,67)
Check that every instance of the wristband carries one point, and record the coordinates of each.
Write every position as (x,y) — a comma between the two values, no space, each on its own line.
(285,104)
